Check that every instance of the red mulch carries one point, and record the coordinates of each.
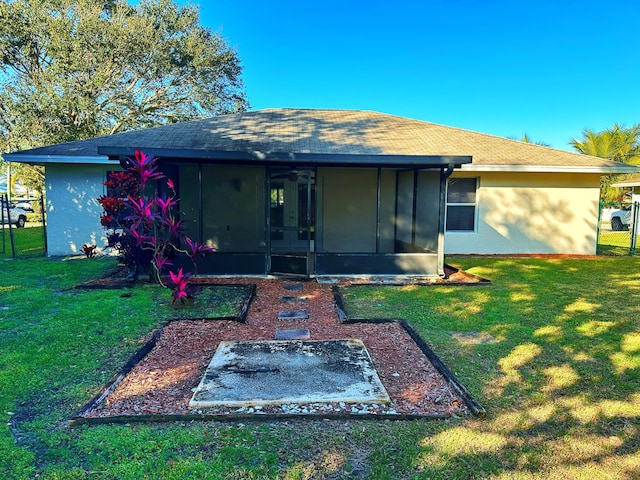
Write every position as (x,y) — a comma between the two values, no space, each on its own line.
(162,382)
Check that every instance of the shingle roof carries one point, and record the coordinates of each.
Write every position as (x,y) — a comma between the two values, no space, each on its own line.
(292,132)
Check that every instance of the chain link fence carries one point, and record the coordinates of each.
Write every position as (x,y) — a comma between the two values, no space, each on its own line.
(618,228)
(22,227)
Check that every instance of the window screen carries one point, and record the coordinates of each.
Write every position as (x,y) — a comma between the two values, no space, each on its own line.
(461,204)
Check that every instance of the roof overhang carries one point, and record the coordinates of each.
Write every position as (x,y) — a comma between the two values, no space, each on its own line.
(110,156)
(595,169)
(48,159)
(630,184)
(297,158)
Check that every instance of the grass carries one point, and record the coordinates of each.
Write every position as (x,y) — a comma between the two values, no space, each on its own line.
(221,301)
(560,384)
(28,241)
(614,242)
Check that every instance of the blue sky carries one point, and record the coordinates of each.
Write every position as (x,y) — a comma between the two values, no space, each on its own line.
(503,67)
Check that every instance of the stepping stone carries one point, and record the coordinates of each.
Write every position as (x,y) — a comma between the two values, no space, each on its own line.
(287,299)
(324,280)
(297,334)
(293,315)
(293,286)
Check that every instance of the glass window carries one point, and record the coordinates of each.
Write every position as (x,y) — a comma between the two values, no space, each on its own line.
(461,204)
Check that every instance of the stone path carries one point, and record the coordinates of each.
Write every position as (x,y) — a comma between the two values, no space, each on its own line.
(256,373)
(293,333)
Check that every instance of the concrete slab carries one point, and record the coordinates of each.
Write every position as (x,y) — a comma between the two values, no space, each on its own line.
(283,372)
(293,287)
(293,315)
(293,334)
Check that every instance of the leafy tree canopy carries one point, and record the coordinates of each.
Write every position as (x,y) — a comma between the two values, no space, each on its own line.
(617,143)
(76,69)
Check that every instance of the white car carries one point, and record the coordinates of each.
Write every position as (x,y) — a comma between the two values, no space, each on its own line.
(17,216)
(25,205)
(621,219)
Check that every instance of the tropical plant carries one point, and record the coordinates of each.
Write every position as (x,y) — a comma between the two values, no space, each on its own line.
(527,139)
(89,250)
(617,143)
(144,228)
(180,285)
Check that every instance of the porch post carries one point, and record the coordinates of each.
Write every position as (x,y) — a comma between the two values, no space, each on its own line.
(378,206)
(444,175)
(267,216)
(200,206)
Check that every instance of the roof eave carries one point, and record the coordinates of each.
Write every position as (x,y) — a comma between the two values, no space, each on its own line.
(48,159)
(602,170)
(626,184)
(299,158)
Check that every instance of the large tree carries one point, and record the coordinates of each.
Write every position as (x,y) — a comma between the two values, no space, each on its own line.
(75,69)
(617,143)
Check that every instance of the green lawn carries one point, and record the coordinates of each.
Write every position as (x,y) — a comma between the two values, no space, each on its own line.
(28,241)
(560,384)
(614,242)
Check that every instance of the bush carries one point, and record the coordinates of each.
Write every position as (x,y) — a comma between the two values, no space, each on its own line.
(143,227)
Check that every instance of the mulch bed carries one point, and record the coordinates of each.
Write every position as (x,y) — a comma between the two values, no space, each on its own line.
(161,384)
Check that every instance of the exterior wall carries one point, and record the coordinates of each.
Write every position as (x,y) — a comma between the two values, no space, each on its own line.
(516,212)
(528,213)
(73,212)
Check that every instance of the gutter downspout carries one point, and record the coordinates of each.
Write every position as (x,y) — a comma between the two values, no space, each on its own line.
(444,176)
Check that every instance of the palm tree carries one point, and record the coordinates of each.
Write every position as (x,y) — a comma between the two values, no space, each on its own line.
(617,143)
(527,139)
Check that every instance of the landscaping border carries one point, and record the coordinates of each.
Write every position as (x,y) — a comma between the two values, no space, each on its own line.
(79,419)
(460,389)
(251,417)
(142,352)
(114,381)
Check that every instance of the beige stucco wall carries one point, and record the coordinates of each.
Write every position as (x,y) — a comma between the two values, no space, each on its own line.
(73,212)
(531,213)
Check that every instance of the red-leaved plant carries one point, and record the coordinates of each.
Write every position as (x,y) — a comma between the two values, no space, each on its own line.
(144,228)
(180,283)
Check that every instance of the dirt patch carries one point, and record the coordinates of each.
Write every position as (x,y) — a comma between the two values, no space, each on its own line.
(162,382)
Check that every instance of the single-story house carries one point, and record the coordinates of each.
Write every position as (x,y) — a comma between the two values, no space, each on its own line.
(338,192)
(633,184)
